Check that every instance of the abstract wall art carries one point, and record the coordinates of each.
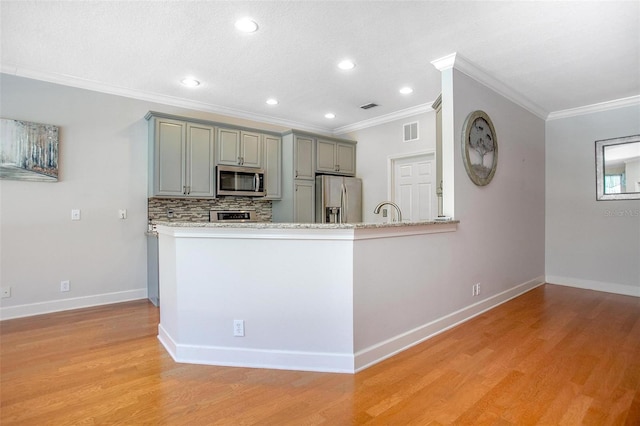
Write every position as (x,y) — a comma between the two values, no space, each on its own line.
(28,151)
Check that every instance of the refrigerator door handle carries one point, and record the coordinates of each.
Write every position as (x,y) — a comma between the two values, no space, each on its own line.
(344,203)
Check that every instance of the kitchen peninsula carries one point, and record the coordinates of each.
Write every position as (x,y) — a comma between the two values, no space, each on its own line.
(319,297)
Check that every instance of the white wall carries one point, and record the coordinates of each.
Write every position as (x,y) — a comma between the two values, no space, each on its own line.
(103,168)
(589,244)
(376,145)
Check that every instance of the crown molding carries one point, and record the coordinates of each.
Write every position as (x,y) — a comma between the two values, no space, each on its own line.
(455,60)
(599,107)
(446,62)
(403,113)
(67,80)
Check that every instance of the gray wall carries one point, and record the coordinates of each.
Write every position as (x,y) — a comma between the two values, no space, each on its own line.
(589,244)
(103,168)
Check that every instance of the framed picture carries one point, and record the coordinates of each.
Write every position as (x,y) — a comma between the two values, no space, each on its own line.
(28,151)
(479,148)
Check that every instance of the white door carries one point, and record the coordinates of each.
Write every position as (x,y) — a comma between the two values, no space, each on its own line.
(414,189)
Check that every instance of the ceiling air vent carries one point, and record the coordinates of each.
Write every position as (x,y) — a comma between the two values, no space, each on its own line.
(411,131)
(369,105)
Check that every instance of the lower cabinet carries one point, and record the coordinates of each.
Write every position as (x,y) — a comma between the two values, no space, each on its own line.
(304,201)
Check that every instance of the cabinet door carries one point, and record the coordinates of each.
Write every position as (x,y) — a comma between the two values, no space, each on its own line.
(304,197)
(346,158)
(250,149)
(228,146)
(169,154)
(303,154)
(326,156)
(273,167)
(200,162)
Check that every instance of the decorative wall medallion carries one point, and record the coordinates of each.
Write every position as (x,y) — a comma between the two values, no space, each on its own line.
(479,148)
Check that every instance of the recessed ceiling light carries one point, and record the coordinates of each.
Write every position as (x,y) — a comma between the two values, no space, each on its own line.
(190,82)
(346,65)
(272,101)
(246,25)
(330,115)
(406,90)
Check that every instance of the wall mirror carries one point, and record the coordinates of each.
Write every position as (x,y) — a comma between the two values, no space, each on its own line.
(618,168)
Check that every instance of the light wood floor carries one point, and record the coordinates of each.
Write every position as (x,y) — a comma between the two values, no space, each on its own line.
(553,356)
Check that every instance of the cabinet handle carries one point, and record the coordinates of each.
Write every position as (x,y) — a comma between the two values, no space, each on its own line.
(296,176)
(184,190)
(337,167)
(188,190)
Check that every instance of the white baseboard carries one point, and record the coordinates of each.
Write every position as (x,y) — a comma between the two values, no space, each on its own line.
(333,362)
(19,311)
(383,350)
(255,358)
(625,290)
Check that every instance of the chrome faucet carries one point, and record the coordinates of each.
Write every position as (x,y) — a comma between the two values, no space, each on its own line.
(377,209)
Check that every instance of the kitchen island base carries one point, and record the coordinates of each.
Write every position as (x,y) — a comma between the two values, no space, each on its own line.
(332,298)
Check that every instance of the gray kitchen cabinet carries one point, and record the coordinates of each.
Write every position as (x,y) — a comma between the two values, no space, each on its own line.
(181,158)
(336,157)
(272,166)
(303,157)
(296,205)
(304,207)
(239,148)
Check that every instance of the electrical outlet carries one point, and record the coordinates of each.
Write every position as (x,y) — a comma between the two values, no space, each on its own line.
(122,213)
(64,285)
(475,289)
(5,292)
(238,328)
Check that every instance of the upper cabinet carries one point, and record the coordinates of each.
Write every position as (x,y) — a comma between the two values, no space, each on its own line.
(181,158)
(272,163)
(336,157)
(303,158)
(239,148)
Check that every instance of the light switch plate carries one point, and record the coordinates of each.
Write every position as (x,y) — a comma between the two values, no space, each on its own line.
(75,214)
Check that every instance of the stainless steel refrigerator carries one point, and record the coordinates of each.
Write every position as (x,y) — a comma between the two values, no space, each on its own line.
(338,199)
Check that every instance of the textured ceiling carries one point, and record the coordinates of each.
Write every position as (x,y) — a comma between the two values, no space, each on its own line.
(558,55)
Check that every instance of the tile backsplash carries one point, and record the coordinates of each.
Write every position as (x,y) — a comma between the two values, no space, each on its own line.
(197,209)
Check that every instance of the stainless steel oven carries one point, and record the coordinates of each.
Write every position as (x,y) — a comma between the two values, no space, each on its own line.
(240,181)
(233,216)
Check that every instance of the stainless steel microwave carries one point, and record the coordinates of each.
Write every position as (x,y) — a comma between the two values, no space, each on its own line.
(240,181)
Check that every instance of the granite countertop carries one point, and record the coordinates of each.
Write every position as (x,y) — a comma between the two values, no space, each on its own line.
(271,225)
